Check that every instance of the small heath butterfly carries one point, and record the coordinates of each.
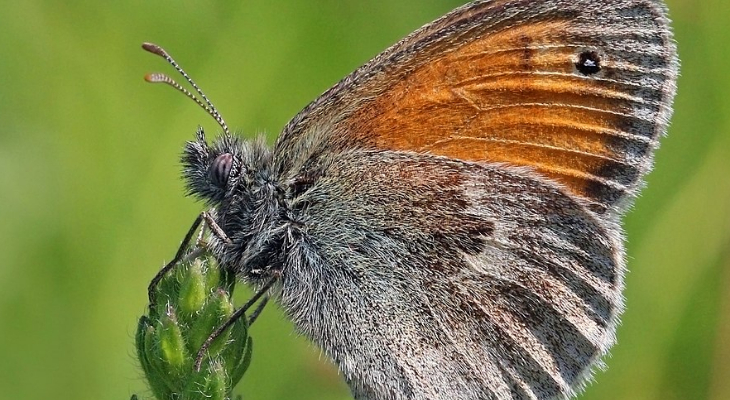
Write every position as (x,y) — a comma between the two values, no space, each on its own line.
(445,222)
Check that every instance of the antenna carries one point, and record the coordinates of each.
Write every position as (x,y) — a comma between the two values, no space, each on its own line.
(162,78)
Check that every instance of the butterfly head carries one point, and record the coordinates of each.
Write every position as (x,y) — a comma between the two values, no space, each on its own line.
(233,176)
(225,169)
(229,167)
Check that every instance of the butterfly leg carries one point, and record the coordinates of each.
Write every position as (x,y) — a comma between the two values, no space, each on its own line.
(236,315)
(214,227)
(210,222)
(200,248)
(255,314)
(178,257)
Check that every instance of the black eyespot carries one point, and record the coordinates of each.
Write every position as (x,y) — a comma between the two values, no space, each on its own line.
(589,63)
(220,169)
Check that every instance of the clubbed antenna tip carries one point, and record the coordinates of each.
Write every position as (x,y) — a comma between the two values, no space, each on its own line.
(157,77)
(154,49)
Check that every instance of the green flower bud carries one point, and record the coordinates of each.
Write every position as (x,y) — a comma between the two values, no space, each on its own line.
(190,303)
(211,383)
(193,290)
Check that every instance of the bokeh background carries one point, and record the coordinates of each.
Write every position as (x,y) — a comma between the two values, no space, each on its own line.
(91,204)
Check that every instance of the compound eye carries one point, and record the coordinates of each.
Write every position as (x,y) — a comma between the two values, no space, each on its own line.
(220,169)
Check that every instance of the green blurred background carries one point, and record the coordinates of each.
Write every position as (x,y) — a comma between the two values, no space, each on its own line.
(91,203)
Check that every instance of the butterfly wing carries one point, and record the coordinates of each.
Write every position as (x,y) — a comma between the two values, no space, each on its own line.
(454,202)
(578,90)
(427,278)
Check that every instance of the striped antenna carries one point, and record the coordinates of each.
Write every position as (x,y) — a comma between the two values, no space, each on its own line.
(162,78)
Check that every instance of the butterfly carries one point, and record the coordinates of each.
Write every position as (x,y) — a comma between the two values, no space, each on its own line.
(445,222)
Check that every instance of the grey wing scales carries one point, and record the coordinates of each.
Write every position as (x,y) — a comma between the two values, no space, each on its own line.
(426,278)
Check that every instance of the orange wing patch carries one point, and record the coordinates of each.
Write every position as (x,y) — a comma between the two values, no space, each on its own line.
(514,96)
